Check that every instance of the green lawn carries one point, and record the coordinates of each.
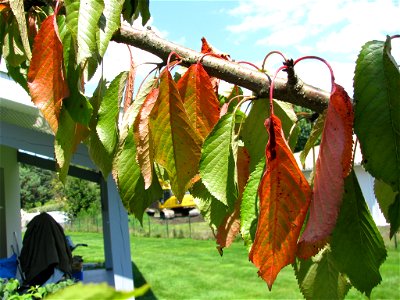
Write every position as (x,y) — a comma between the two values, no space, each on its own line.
(193,269)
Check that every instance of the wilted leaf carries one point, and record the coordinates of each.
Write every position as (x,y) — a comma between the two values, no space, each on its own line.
(199,99)
(333,165)
(177,146)
(284,199)
(217,164)
(46,79)
(230,227)
(377,111)
(357,245)
(130,84)
(142,135)
(17,7)
(315,134)
(319,278)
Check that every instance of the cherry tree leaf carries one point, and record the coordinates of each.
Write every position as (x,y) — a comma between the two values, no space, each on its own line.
(357,246)
(107,124)
(230,227)
(333,165)
(131,185)
(64,145)
(217,164)
(387,199)
(377,111)
(96,149)
(13,50)
(17,7)
(177,145)
(109,22)
(46,76)
(145,153)
(88,28)
(319,277)
(249,208)
(200,101)
(130,85)
(253,133)
(212,210)
(315,134)
(284,199)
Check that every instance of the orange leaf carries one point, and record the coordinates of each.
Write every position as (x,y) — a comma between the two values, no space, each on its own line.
(144,147)
(46,81)
(130,84)
(199,99)
(284,196)
(230,226)
(333,165)
(177,146)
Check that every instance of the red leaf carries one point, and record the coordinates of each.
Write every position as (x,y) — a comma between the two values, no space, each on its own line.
(284,196)
(230,226)
(144,152)
(333,165)
(46,80)
(199,99)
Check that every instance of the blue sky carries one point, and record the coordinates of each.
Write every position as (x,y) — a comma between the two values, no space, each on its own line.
(249,29)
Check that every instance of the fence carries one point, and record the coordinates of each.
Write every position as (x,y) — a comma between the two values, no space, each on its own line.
(182,227)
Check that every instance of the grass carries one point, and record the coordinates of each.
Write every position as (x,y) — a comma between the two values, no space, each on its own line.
(193,269)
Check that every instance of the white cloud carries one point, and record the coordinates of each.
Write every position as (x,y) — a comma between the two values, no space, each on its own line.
(335,30)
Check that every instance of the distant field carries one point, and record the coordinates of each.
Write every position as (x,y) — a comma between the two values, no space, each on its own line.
(193,269)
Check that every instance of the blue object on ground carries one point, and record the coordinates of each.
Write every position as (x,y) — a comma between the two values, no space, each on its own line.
(8,267)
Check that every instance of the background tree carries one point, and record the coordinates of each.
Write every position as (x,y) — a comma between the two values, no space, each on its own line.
(240,167)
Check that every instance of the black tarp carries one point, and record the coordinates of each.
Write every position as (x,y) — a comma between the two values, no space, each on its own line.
(44,248)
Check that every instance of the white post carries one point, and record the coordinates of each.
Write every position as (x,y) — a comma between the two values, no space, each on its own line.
(116,237)
(11,192)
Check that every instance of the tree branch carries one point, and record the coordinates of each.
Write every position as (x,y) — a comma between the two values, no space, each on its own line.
(298,93)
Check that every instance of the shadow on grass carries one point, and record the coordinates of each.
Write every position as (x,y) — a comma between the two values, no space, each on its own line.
(139,280)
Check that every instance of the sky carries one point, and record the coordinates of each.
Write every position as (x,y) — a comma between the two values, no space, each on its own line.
(249,29)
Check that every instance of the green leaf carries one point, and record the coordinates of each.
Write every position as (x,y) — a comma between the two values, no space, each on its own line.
(385,196)
(288,117)
(132,9)
(212,210)
(377,111)
(357,246)
(315,134)
(13,50)
(18,74)
(90,12)
(131,182)
(249,206)
(253,134)
(63,143)
(96,291)
(72,16)
(394,216)
(96,149)
(76,103)
(17,7)
(109,22)
(217,163)
(319,278)
(107,124)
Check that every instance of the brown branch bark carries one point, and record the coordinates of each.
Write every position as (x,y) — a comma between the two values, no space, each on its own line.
(299,93)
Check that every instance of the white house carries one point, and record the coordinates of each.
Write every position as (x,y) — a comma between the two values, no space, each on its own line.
(26,137)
